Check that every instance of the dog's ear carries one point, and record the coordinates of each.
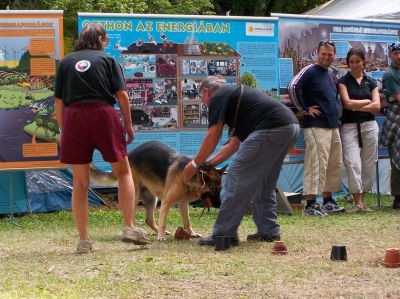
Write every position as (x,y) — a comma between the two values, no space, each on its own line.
(223,169)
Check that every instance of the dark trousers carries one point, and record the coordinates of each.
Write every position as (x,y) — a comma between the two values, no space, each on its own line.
(252,177)
(394,174)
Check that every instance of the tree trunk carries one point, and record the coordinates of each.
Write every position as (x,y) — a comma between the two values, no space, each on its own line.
(269,4)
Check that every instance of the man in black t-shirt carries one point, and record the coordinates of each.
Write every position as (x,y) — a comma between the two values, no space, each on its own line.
(262,130)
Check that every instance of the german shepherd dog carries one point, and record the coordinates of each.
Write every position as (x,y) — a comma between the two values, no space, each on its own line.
(157,173)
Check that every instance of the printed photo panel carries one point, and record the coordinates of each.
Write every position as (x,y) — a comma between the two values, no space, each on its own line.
(138,66)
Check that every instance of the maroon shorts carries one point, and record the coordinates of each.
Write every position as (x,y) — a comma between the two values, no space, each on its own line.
(89,126)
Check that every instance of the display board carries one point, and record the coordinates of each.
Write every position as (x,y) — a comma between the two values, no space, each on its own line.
(299,37)
(165,57)
(31,45)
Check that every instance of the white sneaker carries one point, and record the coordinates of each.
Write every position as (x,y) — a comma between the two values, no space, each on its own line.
(315,210)
(331,208)
(136,235)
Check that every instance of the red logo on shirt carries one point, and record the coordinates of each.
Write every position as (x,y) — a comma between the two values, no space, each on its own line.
(82,66)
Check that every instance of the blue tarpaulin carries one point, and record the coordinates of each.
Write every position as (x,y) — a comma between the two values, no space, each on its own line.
(37,191)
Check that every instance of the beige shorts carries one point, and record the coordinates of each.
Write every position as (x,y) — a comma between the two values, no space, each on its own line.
(322,161)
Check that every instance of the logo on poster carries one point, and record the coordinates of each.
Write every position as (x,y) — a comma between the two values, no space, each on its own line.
(82,66)
(260,29)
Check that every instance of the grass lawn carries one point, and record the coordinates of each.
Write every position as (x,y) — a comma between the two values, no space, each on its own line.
(37,259)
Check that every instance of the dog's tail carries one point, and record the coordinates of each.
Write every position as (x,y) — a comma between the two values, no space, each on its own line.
(102,177)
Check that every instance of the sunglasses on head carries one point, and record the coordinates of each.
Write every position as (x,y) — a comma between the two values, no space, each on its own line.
(394,47)
(326,43)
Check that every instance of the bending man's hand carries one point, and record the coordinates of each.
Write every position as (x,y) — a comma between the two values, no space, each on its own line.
(188,172)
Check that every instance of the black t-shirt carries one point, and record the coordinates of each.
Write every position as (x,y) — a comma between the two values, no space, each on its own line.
(357,91)
(257,111)
(88,74)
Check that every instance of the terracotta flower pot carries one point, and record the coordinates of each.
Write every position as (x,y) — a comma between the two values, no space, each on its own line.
(392,258)
(181,234)
(279,248)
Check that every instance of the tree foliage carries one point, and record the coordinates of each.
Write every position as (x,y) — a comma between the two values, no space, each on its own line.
(248,80)
(264,7)
(186,7)
(72,7)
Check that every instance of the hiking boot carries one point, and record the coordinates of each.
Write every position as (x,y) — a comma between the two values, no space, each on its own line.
(84,246)
(210,241)
(136,235)
(366,209)
(396,203)
(332,208)
(355,209)
(263,238)
(315,210)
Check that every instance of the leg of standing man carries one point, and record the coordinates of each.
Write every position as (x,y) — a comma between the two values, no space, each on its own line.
(333,175)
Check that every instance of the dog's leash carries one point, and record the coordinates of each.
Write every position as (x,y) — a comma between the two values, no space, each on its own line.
(206,201)
(200,180)
(207,205)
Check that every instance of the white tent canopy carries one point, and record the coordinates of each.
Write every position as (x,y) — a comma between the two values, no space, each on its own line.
(354,9)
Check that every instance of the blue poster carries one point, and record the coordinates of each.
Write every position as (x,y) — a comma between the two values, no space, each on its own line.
(165,58)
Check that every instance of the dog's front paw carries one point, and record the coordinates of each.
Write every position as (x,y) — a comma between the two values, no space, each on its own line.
(195,235)
(162,239)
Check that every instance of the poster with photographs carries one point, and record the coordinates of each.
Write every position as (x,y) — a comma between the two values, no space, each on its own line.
(164,59)
(191,115)
(166,66)
(164,92)
(140,91)
(222,67)
(204,115)
(194,68)
(155,118)
(138,66)
(190,89)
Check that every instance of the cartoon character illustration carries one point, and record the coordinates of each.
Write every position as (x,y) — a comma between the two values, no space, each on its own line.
(151,39)
(118,46)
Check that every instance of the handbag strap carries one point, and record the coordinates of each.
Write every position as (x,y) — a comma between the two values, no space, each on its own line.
(232,131)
